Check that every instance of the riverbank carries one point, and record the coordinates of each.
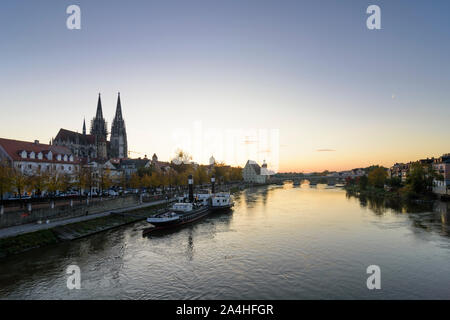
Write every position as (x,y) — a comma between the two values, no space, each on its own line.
(71,231)
(381,193)
(18,239)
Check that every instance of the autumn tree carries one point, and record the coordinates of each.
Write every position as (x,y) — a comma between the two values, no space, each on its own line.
(181,157)
(363,181)
(236,174)
(105,179)
(377,177)
(146,181)
(54,182)
(201,175)
(420,178)
(20,182)
(39,180)
(80,179)
(6,179)
(135,181)
(66,181)
(123,180)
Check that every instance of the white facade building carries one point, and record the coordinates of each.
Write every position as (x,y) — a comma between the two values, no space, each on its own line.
(253,173)
(30,157)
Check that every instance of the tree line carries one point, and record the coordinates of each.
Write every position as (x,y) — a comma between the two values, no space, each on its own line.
(49,182)
(418,182)
(177,175)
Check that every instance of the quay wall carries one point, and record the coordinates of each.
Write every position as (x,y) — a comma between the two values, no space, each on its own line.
(25,215)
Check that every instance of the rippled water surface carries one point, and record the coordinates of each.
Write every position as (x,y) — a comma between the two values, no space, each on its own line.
(280,242)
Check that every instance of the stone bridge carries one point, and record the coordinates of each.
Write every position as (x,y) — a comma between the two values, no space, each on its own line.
(314,179)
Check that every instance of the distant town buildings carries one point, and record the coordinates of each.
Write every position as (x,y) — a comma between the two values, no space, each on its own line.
(131,166)
(160,166)
(399,170)
(442,167)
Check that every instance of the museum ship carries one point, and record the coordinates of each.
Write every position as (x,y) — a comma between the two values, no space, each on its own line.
(181,212)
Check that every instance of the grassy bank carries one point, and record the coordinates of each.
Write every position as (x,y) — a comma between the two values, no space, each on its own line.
(25,242)
(28,241)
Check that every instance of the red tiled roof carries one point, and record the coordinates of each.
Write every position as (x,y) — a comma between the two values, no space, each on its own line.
(13,148)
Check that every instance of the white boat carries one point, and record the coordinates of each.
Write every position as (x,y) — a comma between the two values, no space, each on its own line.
(203,196)
(221,201)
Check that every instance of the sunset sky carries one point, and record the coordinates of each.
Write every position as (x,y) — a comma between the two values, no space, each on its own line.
(303,84)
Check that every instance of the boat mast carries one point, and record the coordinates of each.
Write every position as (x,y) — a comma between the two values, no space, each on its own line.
(191,188)
(213,180)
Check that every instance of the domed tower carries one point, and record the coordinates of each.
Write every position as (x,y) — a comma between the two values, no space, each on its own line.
(119,144)
(264,165)
(212,161)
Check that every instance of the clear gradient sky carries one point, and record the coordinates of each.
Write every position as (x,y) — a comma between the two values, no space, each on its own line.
(308,68)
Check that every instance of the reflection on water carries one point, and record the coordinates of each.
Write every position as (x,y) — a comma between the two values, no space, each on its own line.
(279,242)
(427,215)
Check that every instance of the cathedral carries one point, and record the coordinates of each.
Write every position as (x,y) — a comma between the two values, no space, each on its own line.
(95,145)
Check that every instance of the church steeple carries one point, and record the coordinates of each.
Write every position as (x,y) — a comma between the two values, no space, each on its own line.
(119,145)
(99,114)
(84,126)
(118,115)
(99,130)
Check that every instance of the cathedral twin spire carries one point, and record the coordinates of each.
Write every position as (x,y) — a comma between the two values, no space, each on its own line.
(118,143)
(99,113)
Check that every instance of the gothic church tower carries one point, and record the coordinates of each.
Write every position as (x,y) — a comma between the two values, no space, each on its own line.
(119,145)
(98,129)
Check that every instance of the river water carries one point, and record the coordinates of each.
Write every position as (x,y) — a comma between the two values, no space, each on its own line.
(279,242)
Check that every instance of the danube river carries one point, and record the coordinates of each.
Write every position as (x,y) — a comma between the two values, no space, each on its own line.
(280,242)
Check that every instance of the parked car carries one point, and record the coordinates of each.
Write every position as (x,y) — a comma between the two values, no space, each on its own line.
(113,193)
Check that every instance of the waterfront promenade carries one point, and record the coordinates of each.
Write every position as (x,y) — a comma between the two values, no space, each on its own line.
(32,227)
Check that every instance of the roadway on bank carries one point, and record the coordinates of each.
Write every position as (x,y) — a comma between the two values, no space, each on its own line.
(32,227)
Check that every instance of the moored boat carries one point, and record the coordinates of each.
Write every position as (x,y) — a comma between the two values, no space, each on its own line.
(203,196)
(181,213)
(221,201)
